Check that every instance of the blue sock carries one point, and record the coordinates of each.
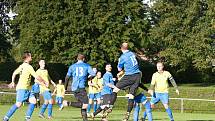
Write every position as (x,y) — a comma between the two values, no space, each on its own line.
(30,110)
(169,112)
(95,106)
(136,112)
(89,107)
(43,108)
(144,114)
(148,111)
(11,111)
(50,106)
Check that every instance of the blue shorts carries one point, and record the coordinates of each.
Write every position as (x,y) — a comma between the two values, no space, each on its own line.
(94,96)
(163,97)
(23,95)
(47,95)
(140,98)
(59,99)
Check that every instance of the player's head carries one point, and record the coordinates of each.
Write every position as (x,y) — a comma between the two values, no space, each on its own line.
(42,63)
(124,46)
(108,67)
(80,57)
(99,74)
(60,81)
(27,56)
(160,66)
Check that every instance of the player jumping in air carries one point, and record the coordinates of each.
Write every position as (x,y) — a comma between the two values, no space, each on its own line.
(25,71)
(79,73)
(131,79)
(45,91)
(60,89)
(159,84)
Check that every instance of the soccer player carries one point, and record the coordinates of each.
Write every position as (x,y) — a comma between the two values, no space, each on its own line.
(45,91)
(79,73)
(108,85)
(95,87)
(60,89)
(36,91)
(131,79)
(25,71)
(159,84)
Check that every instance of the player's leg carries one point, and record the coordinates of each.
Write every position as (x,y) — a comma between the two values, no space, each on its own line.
(20,97)
(136,112)
(165,102)
(50,104)
(44,106)
(148,110)
(106,100)
(83,99)
(135,79)
(32,102)
(91,98)
(98,101)
(60,101)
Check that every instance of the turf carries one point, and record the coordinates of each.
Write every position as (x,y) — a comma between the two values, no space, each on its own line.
(73,114)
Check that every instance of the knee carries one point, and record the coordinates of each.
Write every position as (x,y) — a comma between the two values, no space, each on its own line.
(166,106)
(18,104)
(50,101)
(98,101)
(90,101)
(46,102)
(116,89)
(33,100)
(84,106)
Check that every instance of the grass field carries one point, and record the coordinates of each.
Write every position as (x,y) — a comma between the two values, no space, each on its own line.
(73,114)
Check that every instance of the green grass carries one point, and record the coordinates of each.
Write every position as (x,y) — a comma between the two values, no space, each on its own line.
(196,91)
(73,114)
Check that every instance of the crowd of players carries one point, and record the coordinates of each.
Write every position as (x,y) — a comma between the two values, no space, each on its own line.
(100,87)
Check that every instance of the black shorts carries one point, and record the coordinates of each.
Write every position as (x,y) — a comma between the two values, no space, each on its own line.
(81,96)
(37,96)
(106,99)
(131,82)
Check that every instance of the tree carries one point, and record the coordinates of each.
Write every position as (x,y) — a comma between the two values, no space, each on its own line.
(57,30)
(181,34)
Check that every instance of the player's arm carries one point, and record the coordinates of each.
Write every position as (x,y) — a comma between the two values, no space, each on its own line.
(91,72)
(172,80)
(64,91)
(17,71)
(54,91)
(68,77)
(152,85)
(52,82)
(120,64)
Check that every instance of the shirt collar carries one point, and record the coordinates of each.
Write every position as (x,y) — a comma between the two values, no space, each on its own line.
(125,51)
(80,61)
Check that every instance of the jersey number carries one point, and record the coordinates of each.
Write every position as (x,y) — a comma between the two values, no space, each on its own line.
(79,71)
(134,60)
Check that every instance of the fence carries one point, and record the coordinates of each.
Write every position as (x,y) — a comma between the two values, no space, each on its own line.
(180,99)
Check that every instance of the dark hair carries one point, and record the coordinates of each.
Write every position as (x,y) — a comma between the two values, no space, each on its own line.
(26,54)
(80,57)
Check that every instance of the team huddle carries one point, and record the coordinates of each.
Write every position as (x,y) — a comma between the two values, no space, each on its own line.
(102,89)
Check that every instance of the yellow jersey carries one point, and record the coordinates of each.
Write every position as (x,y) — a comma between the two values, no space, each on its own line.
(60,90)
(25,72)
(43,73)
(97,85)
(160,81)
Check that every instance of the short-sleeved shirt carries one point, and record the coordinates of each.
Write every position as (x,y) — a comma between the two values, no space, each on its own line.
(60,90)
(107,79)
(25,72)
(35,88)
(79,73)
(160,80)
(43,73)
(96,88)
(129,62)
